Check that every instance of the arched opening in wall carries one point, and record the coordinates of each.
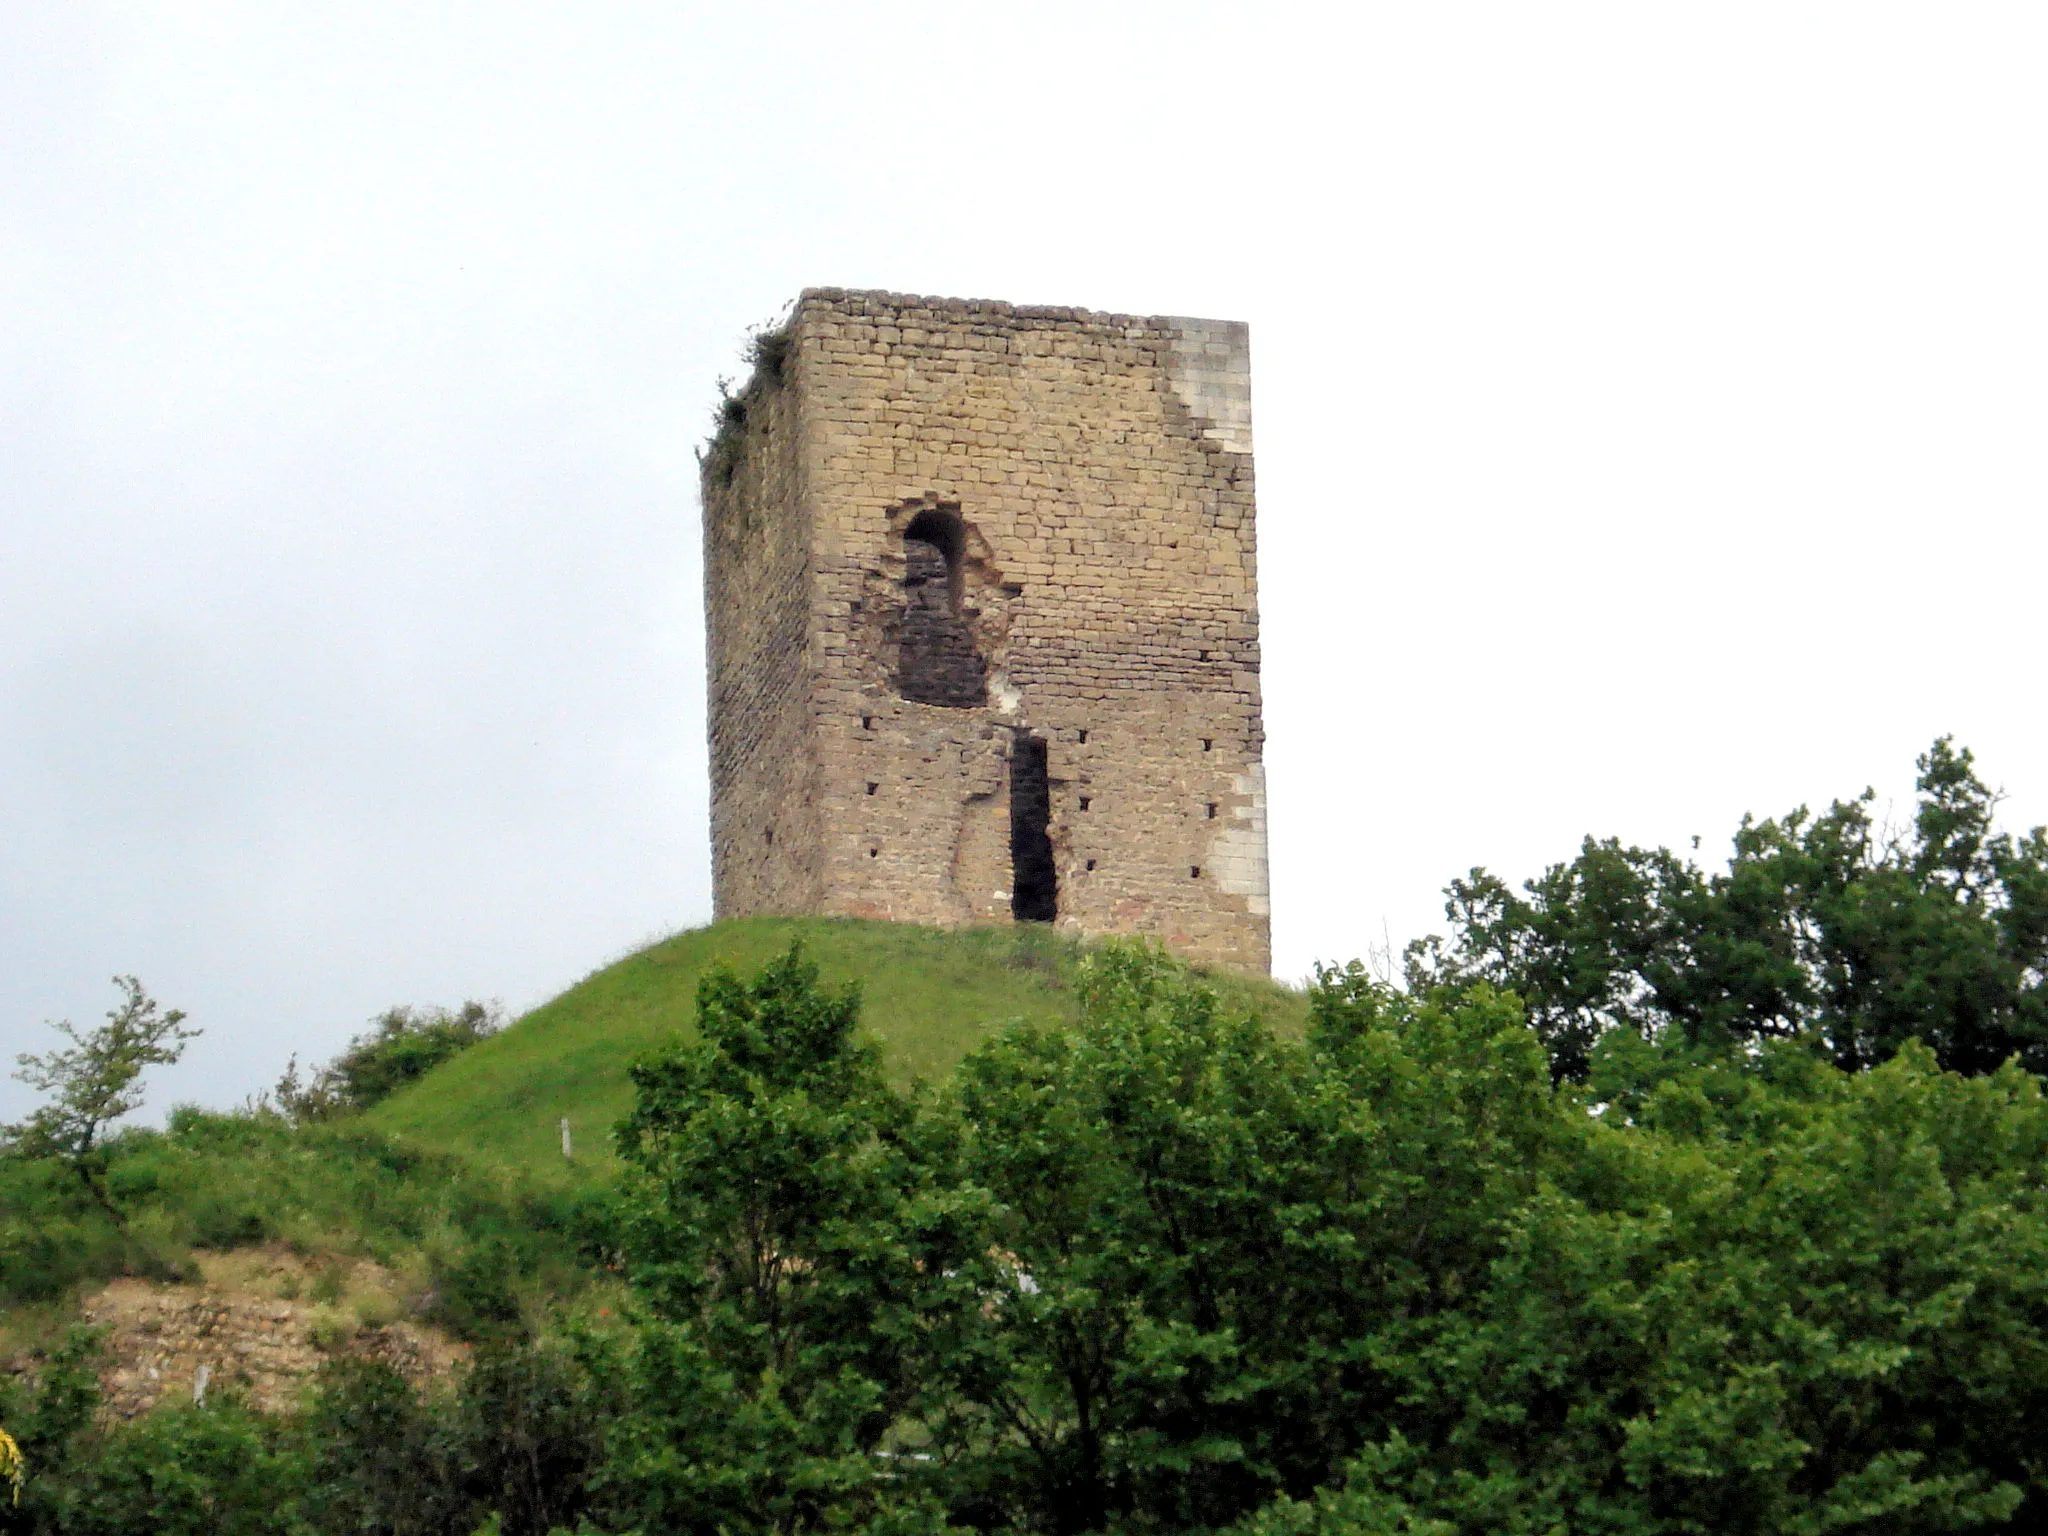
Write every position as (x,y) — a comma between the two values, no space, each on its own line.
(1034,889)
(936,659)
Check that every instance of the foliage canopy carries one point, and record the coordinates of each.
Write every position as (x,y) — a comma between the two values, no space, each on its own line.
(1165,1271)
(1826,927)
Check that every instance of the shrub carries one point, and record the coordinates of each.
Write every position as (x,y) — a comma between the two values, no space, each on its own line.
(402,1045)
(382,1458)
(473,1289)
(531,1422)
(218,1180)
(184,1470)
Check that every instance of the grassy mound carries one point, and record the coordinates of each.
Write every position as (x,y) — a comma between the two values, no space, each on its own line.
(929,997)
(467,1242)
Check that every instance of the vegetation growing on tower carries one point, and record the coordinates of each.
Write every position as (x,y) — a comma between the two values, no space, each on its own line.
(767,357)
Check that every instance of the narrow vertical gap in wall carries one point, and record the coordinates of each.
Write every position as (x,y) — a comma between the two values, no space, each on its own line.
(1034,890)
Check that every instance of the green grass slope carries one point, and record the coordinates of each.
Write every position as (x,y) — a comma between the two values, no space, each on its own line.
(928,996)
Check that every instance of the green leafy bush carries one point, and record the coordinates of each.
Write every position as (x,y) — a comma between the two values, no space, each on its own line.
(1687,1255)
(402,1046)
(381,1457)
(187,1469)
(531,1423)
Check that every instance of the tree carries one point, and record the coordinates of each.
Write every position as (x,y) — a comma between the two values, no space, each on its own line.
(1201,1239)
(763,1218)
(93,1083)
(1826,927)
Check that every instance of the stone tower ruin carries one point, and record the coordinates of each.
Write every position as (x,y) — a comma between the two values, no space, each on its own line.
(984,642)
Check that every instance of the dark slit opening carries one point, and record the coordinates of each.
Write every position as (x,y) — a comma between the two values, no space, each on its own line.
(1034,892)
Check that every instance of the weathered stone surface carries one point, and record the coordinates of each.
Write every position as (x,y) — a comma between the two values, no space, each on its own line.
(237,1333)
(943,527)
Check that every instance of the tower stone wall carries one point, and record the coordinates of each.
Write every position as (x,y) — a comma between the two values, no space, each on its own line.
(982,601)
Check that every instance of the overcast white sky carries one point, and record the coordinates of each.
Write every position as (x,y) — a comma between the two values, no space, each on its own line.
(1649,398)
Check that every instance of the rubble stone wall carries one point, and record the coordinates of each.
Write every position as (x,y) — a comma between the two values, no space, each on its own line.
(757,579)
(1088,479)
(165,1343)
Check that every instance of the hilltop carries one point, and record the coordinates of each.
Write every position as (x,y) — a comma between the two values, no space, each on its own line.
(929,996)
